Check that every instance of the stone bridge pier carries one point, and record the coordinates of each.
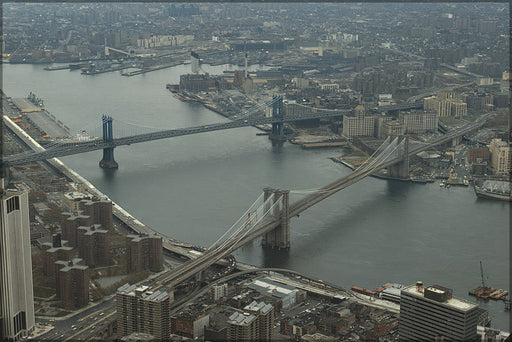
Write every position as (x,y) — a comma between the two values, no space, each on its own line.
(401,170)
(279,237)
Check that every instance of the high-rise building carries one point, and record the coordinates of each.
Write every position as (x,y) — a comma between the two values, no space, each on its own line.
(142,310)
(93,245)
(242,327)
(445,105)
(419,122)
(219,291)
(433,314)
(16,289)
(56,250)
(501,157)
(100,210)
(144,252)
(362,126)
(69,225)
(264,319)
(72,280)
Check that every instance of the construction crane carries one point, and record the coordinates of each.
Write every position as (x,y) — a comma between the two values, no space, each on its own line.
(485,289)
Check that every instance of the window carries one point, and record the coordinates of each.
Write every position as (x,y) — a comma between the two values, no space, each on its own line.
(13,203)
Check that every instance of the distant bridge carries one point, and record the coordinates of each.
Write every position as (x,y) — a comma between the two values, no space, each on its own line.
(108,143)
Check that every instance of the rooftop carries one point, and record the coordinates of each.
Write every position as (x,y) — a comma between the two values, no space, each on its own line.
(132,290)
(262,307)
(137,238)
(454,302)
(90,230)
(241,318)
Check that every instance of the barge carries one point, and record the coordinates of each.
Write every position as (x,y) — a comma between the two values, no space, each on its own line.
(493,189)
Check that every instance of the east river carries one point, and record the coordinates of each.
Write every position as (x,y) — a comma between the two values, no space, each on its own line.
(193,188)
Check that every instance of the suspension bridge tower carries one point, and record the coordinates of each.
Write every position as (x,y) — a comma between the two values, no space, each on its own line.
(108,161)
(279,237)
(277,135)
(400,170)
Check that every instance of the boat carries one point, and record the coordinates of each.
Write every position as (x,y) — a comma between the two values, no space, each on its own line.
(493,189)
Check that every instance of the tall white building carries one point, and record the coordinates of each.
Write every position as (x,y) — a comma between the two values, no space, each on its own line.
(433,314)
(16,290)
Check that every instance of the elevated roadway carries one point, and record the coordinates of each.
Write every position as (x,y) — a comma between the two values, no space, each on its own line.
(65,149)
(269,222)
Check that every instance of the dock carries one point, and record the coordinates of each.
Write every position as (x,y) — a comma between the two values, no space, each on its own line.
(149,69)
(102,71)
(47,122)
(324,144)
(53,68)
(25,105)
(489,292)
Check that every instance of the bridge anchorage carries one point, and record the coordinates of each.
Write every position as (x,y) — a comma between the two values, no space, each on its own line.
(277,135)
(279,237)
(108,161)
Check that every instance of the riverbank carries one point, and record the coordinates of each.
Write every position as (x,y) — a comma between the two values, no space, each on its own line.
(208,105)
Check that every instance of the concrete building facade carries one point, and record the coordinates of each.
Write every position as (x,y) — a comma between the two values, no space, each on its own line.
(419,122)
(433,314)
(354,126)
(71,200)
(392,128)
(17,318)
(501,157)
(242,327)
(264,319)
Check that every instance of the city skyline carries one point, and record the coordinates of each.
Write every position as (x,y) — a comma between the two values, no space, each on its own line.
(406,93)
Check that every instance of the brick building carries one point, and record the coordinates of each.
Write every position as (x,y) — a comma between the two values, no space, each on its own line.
(53,251)
(69,225)
(100,210)
(93,245)
(72,283)
(144,252)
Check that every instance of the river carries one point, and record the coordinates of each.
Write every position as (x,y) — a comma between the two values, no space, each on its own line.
(193,188)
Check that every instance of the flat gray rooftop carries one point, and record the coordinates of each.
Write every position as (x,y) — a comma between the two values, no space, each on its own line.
(47,124)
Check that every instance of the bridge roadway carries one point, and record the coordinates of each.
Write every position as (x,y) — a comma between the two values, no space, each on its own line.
(209,257)
(269,223)
(70,148)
